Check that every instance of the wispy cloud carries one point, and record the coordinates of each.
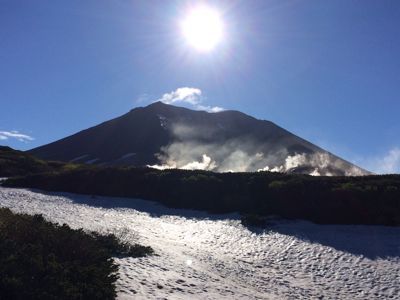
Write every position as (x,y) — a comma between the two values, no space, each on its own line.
(191,96)
(142,98)
(5,135)
(213,109)
(388,163)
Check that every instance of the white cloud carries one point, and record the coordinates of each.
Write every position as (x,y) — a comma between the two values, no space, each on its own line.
(162,167)
(5,135)
(391,162)
(183,94)
(189,95)
(142,98)
(320,162)
(212,109)
(388,164)
(206,164)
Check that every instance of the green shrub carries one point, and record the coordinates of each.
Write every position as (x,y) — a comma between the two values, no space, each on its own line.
(276,184)
(42,260)
(253,220)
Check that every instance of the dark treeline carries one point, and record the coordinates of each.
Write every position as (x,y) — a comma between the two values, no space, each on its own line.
(324,200)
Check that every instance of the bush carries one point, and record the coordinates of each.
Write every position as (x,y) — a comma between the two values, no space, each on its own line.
(276,184)
(121,248)
(253,220)
(42,260)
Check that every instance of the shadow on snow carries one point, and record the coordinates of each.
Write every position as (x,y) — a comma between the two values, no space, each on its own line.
(366,240)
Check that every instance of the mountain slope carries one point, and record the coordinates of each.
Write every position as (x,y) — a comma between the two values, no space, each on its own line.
(17,163)
(166,136)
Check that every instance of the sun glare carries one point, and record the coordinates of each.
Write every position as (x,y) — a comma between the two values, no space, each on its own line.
(202,28)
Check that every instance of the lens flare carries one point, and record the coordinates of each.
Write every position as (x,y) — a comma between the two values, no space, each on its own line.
(202,28)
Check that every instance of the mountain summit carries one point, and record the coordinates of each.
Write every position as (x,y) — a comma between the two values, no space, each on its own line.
(166,136)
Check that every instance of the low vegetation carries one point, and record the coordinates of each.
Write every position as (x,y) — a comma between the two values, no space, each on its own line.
(250,220)
(42,260)
(14,163)
(324,200)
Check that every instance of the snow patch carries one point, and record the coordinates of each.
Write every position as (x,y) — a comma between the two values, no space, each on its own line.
(127,156)
(79,158)
(163,121)
(91,161)
(202,256)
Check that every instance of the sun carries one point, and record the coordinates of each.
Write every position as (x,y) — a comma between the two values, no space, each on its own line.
(202,28)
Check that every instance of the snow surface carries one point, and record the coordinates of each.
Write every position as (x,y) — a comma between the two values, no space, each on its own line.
(201,256)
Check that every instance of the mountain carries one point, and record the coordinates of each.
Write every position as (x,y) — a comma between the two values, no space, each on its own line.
(166,136)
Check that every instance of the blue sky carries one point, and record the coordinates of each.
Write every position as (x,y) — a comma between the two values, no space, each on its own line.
(329,71)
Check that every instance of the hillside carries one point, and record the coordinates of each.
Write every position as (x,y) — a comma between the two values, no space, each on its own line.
(14,163)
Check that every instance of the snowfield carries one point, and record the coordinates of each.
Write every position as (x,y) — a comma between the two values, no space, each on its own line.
(202,256)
